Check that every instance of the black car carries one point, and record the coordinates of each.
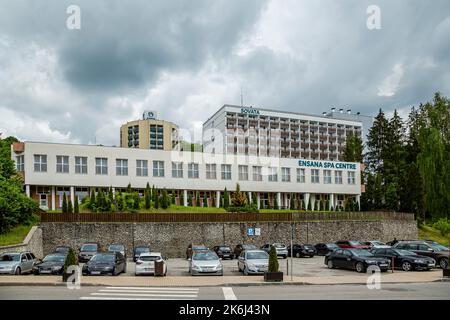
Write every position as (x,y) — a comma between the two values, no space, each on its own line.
(241,247)
(355,259)
(323,249)
(302,250)
(62,249)
(224,252)
(87,251)
(138,250)
(105,263)
(406,260)
(52,264)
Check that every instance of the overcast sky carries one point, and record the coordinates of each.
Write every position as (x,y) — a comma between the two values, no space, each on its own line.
(185,59)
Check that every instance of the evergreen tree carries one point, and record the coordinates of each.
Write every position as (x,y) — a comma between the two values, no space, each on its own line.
(391,197)
(377,143)
(110,195)
(226,199)
(76,208)
(205,200)
(181,198)
(254,198)
(64,203)
(92,200)
(239,198)
(197,199)
(309,206)
(69,207)
(292,202)
(156,197)
(275,203)
(353,151)
(164,199)
(173,198)
(120,202)
(129,188)
(378,193)
(148,202)
(154,194)
(190,199)
(136,201)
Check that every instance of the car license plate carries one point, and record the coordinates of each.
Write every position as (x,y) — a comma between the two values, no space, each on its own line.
(95,272)
(46,271)
(383,265)
(431,264)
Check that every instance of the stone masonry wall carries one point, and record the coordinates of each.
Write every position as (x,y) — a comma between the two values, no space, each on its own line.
(173,238)
(32,242)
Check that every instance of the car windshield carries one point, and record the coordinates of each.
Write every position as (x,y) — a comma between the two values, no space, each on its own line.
(54,258)
(142,249)
(438,247)
(10,257)
(257,255)
(116,247)
(354,243)
(405,252)
(205,256)
(199,248)
(103,258)
(249,246)
(62,249)
(361,253)
(89,247)
(224,248)
(150,258)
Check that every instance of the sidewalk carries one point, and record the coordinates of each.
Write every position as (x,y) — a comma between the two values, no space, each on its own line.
(204,281)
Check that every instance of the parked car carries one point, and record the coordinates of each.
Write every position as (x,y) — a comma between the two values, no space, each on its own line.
(117,247)
(240,247)
(139,250)
(302,250)
(205,262)
(323,249)
(253,262)
(62,249)
(224,252)
(281,249)
(87,251)
(193,247)
(52,264)
(105,263)
(17,262)
(405,260)
(355,259)
(376,244)
(351,245)
(436,251)
(145,264)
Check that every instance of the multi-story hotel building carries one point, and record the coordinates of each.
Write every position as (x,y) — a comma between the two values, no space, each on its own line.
(270,133)
(149,133)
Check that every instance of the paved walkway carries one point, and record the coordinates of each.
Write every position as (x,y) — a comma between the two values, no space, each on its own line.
(189,281)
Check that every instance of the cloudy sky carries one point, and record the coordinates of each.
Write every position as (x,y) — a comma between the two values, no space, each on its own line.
(185,59)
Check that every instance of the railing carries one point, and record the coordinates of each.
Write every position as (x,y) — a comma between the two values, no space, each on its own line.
(222,217)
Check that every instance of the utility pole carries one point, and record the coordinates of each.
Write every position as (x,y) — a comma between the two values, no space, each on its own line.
(292,251)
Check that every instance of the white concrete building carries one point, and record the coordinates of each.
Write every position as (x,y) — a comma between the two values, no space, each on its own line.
(50,169)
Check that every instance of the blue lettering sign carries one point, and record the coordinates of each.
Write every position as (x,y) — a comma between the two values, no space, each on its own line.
(326,164)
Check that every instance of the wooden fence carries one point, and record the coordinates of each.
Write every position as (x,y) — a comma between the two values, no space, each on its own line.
(222,217)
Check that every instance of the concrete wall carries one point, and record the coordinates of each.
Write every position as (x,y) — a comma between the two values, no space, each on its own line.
(172,238)
(32,242)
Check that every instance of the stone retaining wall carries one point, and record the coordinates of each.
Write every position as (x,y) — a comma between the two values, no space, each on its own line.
(32,242)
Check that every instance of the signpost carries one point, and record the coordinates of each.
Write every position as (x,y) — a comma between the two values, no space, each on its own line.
(292,250)
(250,231)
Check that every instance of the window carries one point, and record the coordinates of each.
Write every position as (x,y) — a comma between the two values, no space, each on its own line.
(156,136)
(177,169)
(158,168)
(62,164)
(273,176)
(300,175)
(315,176)
(351,177)
(141,168)
(40,163)
(101,166)
(338,177)
(193,170)
(243,172)
(121,167)
(20,163)
(226,171)
(211,169)
(81,165)
(257,173)
(327,176)
(286,174)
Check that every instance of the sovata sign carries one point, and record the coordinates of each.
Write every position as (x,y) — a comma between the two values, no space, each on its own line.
(249,111)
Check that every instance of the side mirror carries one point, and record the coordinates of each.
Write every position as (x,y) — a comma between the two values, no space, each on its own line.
(430,249)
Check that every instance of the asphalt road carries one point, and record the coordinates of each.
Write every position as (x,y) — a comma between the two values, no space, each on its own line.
(435,290)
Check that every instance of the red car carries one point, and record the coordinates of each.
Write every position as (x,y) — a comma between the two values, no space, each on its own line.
(352,245)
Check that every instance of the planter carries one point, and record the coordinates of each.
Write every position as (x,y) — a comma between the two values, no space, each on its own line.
(273,276)
(446,272)
(65,275)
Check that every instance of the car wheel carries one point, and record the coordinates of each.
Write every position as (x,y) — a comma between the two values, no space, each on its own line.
(297,255)
(360,267)
(406,266)
(245,271)
(330,264)
(18,271)
(443,263)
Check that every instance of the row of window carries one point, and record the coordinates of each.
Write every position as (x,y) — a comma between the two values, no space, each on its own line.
(101,168)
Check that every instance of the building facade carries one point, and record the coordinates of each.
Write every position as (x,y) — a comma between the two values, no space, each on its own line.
(50,170)
(149,134)
(270,133)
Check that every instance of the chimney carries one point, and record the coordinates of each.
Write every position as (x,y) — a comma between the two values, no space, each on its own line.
(341,110)
(324,113)
(349,111)
(333,109)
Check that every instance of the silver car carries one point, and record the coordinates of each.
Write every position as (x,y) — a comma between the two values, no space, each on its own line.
(205,262)
(17,263)
(253,262)
(145,264)
(279,247)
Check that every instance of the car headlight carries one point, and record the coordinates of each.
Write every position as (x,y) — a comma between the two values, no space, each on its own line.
(108,268)
(195,267)
(419,261)
(251,266)
(219,267)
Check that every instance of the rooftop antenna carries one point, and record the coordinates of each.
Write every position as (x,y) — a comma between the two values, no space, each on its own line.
(242,99)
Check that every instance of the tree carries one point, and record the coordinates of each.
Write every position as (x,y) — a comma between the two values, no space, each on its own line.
(353,151)
(292,202)
(190,199)
(129,188)
(120,202)
(76,208)
(147,199)
(173,197)
(136,201)
(197,199)
(391,197)
(92,201)
(156,197)
(205,199)
(164,199)
(64,203)
(376,143)
(309,206)
(254,198)
(238,197)
(275,203)
(71,259)
(226,199)
(69,206)
(182,198)
(273,260)
(7,167)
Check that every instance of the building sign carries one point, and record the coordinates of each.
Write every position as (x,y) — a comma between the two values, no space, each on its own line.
(257,231)
(149,115)
(326,164)
(250,231)
(250,111)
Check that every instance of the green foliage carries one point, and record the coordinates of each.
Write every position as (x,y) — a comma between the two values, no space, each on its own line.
(309,205)
(164,199)
(443,225)
(226,199)
(292,202)
(249,208)
(182,198)
(69,206)
(64,203)
(391,197)
(275,203)
(353,148)
(7,168)
(190,199)
(147,198)
(92,201)
(273,260)
(238,198)
(136,201)
(76,208)
(129,188)
(71,259)
(205,199)
(173,197)
(120,202)
(197,199)
(254,198)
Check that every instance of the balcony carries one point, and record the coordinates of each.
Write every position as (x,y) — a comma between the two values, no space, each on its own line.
(295,154)
(313,128)
(284,134)
(323,146)
(314,145)
(341,139)
(314,136)
(323,156)
(331,130)
(332,138)
(340,131)
(332,147)
(304,127)
(295,144)
(284,144)
(305,154)
(323,129)
(305,145)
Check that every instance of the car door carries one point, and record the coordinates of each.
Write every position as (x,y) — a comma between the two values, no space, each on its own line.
(425,250)
(337,258)
(241,260)
(390,255)
(24,266)
(30,262)
(347,259)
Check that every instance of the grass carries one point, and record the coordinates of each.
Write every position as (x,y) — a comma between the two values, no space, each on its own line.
(15,236)
(430,233)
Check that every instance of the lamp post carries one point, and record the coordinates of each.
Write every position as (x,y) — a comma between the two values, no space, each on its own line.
(292,251)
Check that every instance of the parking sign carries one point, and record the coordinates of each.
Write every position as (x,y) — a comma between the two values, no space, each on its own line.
(250,231)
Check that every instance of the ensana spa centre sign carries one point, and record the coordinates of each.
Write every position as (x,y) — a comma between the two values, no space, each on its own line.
(327,164)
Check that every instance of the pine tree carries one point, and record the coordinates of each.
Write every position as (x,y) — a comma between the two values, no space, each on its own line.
(129,188)
(120,202)
(190,199)
(226,199)
(181,198)
(164,199)
(64,204)
(110,195)
(376,143)
(197,199)
(147,199)
(92,201)
(292,202)
(173,198)
(205,200)
(239,198)
(254,198)
(69,207)
(275,203)
(353,151)
(76,208)
(391,196)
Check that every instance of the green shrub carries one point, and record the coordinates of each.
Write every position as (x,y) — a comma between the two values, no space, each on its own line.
(76,208)
(71,259)
(64,203)
(443,225)
(273,260)
(250,208)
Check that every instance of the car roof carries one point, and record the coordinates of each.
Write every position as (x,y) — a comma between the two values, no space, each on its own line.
(151,254)
(144,246)
(255,250)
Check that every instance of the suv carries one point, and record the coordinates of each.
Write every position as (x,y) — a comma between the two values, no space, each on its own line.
(194,247)
(17,263)
(279,247)
(87,251)
(424,248)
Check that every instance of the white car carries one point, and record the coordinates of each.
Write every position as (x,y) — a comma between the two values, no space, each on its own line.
(253,262)
(205,262)
(145,264)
